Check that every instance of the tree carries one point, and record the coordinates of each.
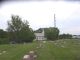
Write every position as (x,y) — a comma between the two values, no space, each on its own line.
(52,33)
(19,31)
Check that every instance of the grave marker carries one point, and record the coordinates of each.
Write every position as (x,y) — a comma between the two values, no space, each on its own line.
(0,53)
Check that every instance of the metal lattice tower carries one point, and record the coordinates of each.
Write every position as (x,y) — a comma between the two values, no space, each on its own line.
(54,20)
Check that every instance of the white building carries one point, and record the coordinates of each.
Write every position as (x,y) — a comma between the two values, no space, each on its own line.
(40,36)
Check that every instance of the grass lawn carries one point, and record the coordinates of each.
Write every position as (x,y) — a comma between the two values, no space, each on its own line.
(60,50)
(15,52)
(51,50)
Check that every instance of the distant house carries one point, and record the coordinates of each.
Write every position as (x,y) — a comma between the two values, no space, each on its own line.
(76,36)
(40,35)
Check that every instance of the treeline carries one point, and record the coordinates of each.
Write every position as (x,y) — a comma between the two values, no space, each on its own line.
(19,31)
(65,36)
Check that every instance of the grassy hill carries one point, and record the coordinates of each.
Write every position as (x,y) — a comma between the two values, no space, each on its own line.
(51,50)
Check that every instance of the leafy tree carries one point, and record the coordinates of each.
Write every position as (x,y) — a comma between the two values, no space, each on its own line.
(52,33)
(19,31)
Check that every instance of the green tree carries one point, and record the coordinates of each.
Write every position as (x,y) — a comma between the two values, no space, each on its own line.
(19,31)
(52,33)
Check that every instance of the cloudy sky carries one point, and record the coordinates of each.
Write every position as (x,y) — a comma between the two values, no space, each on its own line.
(41,14)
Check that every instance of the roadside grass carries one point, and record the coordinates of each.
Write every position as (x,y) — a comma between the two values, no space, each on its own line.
(68,49)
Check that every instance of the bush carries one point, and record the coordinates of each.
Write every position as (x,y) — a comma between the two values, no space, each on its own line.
(4,41)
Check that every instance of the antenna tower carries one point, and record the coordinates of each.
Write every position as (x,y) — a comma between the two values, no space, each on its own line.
(54,20)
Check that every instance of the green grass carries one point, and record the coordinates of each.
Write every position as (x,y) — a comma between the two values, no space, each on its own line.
(52,51)
(57,50)
(15,52)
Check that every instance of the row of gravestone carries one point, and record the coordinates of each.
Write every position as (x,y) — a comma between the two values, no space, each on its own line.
(2,52)
(32,55)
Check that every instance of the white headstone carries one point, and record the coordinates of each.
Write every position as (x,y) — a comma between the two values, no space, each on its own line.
(44,41)
(0,53)
(26,57)
(37,47)
(55,43)
(62,46)
(31,52)
(4,51)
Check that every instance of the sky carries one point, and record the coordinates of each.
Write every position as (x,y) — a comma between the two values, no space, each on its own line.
(41,14)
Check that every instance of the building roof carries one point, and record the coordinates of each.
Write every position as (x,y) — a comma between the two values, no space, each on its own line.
(39,34)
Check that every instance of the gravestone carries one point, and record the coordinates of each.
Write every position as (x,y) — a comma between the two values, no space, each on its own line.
(62,46)
(0,53)
(44,41)
(26,57)
(30,56)
(4,52)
